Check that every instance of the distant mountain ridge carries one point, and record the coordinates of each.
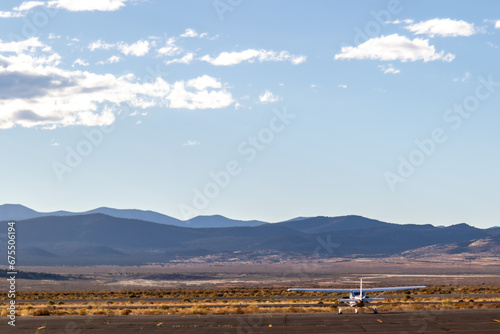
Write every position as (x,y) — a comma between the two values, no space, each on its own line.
(20,212)
(93,239)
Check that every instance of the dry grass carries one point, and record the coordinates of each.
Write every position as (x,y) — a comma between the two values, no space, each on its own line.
(223,301)
(226,293)
(202,309)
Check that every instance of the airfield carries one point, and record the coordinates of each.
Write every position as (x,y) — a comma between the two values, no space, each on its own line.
(463,297)
(459,321)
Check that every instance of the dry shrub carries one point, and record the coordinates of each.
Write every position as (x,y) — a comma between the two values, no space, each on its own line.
(41,312)
(125,311)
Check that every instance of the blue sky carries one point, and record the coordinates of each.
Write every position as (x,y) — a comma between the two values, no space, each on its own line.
(253,109)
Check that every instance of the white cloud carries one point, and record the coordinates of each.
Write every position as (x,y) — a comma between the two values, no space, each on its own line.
(443,27)
(80,62)
(88,5)
(187,59)
(204,82)
(10,14)
(53,36)
(171,49)
(190,33)
(138,49)
(191,143)
(298,59)
(268,97)
(389,69)
(42,94)
(497,24)
(250,55)
(394,47)
(342,86)
(407,21)
(180,97)
(492,45)
(73,5)
(28,5)
(465,78)
(100,45)
(110,60)
(30,44)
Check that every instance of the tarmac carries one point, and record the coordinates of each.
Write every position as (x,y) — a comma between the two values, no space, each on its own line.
(453,321)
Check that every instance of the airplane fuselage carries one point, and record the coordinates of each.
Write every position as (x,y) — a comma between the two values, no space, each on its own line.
(356,300)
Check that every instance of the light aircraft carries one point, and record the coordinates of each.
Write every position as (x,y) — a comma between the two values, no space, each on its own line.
(358,298)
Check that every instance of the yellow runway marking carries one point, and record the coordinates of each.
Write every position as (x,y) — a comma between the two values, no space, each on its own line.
(42,327)
(496,320)
(379,320)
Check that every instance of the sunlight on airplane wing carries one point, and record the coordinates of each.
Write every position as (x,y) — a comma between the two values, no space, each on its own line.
(396,288)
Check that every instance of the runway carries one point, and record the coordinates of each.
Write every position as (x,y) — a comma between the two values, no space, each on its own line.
(456,321)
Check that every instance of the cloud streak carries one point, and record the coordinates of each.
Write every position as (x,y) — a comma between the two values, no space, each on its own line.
(138,49)
(443,28)
(252,55)
(394,47)
(268,97)
(389,69)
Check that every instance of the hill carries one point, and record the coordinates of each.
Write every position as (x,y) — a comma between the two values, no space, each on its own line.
(101,239)
(20,212)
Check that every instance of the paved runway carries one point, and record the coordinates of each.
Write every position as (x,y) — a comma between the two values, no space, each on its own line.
(456,321)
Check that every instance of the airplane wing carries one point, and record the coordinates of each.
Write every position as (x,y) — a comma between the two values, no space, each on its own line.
(325,290)
(396,288)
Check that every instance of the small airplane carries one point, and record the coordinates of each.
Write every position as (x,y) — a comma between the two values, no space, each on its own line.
(358,298)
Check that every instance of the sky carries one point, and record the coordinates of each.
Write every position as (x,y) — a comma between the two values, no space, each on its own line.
(263,110)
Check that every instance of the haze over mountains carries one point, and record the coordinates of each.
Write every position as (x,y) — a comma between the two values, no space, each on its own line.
(91,238)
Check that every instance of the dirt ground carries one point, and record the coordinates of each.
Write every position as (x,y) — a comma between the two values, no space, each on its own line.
(337,272)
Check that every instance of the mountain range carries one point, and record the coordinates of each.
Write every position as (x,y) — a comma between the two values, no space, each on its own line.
(20,212)
(90,238)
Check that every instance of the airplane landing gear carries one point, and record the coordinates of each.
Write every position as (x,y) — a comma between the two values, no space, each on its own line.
(356,310)
(375,311)
(340,311)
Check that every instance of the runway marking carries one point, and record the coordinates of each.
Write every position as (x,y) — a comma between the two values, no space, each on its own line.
(496,320)
(42,327)
(160,324)
(379,320)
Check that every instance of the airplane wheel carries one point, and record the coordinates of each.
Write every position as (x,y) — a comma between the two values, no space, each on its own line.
(356,311)
(375,310)
(340,311)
